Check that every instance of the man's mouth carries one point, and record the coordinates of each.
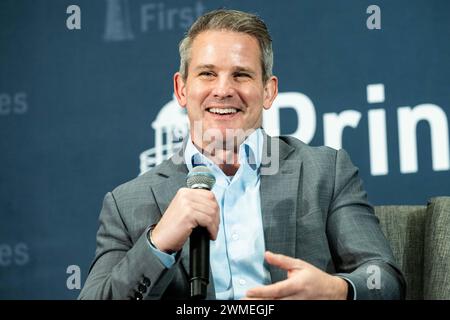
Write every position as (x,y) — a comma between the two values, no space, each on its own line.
(223,111)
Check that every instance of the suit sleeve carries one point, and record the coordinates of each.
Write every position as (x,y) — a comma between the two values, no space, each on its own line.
(360,250)
(122,269)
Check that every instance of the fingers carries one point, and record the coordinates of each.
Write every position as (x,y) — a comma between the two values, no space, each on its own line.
(200,199)
(188,209)
(277,290)
(199,196)
(283,289)
(206,215)
(203,208)
(284,262)
(209,222)
(193,203)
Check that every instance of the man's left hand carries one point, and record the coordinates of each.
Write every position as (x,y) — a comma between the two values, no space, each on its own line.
(304,282)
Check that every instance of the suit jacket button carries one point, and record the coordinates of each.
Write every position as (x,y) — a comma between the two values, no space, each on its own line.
(142,288)
(137,296)
(147,282)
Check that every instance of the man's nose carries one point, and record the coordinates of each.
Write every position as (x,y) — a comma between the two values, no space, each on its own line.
(223,88)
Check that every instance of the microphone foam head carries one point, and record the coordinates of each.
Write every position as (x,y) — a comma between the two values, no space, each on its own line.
(200,177)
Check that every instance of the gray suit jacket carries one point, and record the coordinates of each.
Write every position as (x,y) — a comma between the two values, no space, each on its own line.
(313,208)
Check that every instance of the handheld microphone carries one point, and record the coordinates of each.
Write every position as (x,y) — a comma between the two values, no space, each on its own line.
(200,177)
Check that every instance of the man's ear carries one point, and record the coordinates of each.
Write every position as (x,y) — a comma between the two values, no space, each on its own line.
(179,88)
(270,92)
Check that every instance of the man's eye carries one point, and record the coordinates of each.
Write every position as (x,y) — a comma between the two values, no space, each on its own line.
(206,73)
(244,75)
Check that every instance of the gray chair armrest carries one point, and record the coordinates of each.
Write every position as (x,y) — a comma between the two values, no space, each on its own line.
(437,249)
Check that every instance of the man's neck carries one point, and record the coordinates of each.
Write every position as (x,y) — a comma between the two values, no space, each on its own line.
(225,154)
(226,160)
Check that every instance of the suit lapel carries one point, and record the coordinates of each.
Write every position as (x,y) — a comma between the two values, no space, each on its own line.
(175,171)
(279,196)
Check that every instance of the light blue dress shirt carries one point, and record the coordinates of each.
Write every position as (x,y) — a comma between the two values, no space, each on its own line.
(237,255)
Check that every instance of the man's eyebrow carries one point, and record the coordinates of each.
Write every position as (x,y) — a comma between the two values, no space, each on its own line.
(244,69)
(204,66)
(235,69)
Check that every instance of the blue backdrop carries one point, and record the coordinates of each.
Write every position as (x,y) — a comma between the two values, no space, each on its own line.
(77,108)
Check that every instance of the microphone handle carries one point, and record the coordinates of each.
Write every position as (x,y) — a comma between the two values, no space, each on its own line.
(199,262)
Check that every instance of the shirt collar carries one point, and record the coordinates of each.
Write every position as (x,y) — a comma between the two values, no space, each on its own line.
(250,152)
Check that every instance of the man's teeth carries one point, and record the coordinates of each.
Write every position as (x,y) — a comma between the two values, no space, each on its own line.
(222,110)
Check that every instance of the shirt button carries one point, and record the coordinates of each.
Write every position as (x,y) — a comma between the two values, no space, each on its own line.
(242,282)
(235,236)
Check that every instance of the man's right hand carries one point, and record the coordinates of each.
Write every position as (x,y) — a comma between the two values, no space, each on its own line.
(188,209)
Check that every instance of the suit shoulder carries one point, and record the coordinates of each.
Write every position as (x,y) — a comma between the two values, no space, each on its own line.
(319,156)
(305,151)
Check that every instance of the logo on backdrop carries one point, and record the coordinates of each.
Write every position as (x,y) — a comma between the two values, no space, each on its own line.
(120,24)
(171,125)
(117,24)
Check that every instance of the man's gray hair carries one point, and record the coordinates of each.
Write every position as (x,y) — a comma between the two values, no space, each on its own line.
(230,20)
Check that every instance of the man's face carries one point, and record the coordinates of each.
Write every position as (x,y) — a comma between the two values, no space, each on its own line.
(224,88)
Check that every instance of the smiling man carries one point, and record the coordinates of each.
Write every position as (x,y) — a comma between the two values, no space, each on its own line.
(224,88)
(304,231)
